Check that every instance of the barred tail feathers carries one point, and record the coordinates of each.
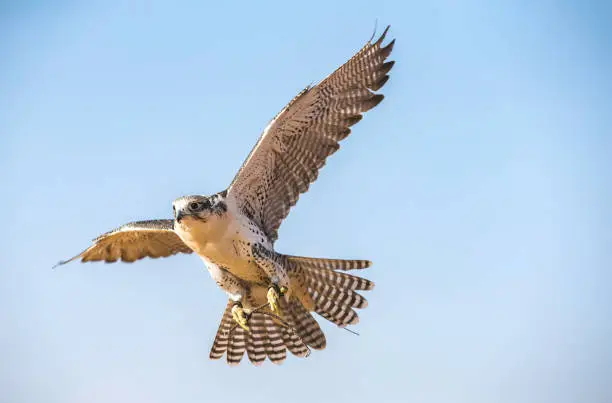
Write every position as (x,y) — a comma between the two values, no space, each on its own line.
(334,293)
(222,337)
(305,325)
(330,264)
(316,287)
(267,337)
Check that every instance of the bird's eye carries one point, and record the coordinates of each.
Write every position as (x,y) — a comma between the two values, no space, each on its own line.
(195,206)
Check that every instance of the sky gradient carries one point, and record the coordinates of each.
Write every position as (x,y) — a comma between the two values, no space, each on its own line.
(480,188)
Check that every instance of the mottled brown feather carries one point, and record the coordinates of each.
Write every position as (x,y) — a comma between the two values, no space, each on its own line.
(134,241)
(297,142)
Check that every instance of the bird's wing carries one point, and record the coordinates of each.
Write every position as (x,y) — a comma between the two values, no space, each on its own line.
(133,241)
(296,143)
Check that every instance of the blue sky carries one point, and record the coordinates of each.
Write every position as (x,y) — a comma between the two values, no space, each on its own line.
(480,188)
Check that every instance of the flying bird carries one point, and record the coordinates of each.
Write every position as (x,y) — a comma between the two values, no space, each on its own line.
(271,295)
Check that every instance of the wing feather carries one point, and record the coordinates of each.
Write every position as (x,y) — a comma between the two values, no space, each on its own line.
(134,241)
(296,144)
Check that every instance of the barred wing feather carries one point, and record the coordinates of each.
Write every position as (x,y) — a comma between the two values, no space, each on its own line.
(297,142)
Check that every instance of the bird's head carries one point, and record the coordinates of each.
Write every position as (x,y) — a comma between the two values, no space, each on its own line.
(192,212)
(191,208)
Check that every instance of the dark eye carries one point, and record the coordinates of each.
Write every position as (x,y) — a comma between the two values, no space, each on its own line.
(195,206)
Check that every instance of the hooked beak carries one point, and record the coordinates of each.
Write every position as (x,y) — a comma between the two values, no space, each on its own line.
(179,216)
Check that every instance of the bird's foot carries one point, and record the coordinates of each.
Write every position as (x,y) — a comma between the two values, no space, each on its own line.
(274,295)
(240,317)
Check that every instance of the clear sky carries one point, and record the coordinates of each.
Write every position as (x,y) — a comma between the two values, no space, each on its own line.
(480,188)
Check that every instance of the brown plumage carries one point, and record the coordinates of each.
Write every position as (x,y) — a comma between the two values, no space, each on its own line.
(133,241)
(333,296)
(268,337)
(296,144)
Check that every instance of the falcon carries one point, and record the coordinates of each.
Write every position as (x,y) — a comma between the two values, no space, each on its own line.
(271,295)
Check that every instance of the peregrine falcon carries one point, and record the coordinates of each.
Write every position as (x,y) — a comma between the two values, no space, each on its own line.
(271,295)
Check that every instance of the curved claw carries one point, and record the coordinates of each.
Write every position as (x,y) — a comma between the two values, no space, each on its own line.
(240,317)
(273,299)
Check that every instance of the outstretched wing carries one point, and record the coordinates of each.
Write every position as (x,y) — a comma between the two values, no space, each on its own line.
(133,241)
(295,145)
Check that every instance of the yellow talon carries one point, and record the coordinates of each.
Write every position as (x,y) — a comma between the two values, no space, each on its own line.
(240,317)
(273,297)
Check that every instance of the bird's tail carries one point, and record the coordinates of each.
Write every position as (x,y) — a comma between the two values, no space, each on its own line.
(268,337)
(317,285)
(322,287)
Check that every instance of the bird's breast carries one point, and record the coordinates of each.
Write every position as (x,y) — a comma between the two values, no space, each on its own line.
(226,242)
